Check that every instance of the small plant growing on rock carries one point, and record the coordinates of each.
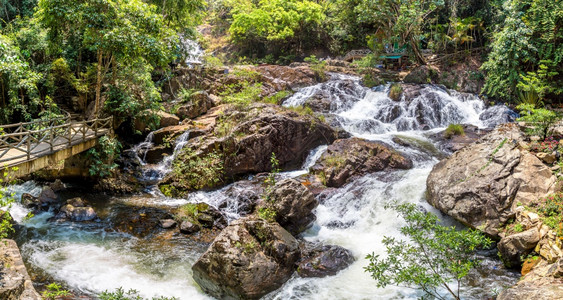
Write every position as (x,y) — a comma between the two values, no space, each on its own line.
(318,67)
(539,120)
(121,294)
(547,146)
(453,130)
(54,291)
(271,179)
(433,257)
(395,91)
(550,209)
(267,214)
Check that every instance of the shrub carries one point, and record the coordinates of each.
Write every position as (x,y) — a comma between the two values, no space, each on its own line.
(54,291)
(395,91)
(539,120)
(267,214)
(196,172)
(452,130)
(547,146)
(132,294)
(550,209)
(318,67)
(434,256)
(103,156)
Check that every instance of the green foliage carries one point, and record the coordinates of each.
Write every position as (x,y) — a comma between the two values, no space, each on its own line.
(241,95)
(132,294)
(452,130)
(6,200)
(276,25)
(517,228)
(18,84)
(54,291)
(527,52)
(190,212)
(550,209)
(267,214)
(318,67)
(395,91)
(433,257)
(197,172)
(539,120)
(271,179)
(278,97)
(103,156)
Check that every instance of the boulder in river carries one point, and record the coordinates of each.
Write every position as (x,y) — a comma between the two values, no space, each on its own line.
(544,282)
(243,143)
(349,158)
(322,261)
(250,258)
(293,204)
(77,211)
(481,184)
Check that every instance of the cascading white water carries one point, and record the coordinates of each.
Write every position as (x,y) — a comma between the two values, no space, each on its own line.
(193,50)
(88,258)
(153,173)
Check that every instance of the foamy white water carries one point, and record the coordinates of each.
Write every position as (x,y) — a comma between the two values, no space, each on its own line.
(90,259)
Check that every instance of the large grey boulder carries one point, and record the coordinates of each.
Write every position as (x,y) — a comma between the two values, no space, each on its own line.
(249,259)
(481,184)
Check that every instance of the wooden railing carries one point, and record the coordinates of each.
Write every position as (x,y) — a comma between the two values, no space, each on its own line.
(30,140)
(355,54)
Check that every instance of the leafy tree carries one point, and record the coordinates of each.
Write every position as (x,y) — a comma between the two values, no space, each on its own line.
(277,23)
(539,119)
(404,20)
(181,15)
(530,37)
(127,38)
(434,257)
(18,83)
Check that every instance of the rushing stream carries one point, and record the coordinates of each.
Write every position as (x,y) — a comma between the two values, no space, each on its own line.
(93,257)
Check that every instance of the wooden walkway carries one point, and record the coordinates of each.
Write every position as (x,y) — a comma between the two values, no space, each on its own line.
(24,143)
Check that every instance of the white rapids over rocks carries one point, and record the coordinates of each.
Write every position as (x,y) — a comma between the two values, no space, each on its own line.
(91,259)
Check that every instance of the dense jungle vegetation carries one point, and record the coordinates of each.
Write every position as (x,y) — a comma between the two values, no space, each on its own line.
(114,55)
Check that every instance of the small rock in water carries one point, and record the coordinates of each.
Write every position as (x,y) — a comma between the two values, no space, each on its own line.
(167,223)
(57,186)
(188,227)
(324,261)
(205,220)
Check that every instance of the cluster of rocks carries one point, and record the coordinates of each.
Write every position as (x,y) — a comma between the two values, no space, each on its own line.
(254,256)
(487,185)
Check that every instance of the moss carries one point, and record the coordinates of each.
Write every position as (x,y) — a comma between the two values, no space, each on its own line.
(453,130)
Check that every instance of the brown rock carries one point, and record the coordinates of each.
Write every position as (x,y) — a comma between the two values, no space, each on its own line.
(15,283)
(518,245)
(348,158)
(249,259)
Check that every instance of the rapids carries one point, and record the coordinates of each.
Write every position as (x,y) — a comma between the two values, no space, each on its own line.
(90,258)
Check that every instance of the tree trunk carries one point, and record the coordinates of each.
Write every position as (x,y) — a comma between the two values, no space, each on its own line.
(419,58)
(98,83)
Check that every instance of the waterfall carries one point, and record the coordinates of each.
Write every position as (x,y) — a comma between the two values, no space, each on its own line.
(91,258)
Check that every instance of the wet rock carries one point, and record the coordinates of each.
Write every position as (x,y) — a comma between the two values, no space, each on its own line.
(76,210)
(279,78)
(30,201)
(57,186)
(15,283)
(188,227)
(513,247)
(206,220)
(202,214)
(248,146)
(349,158)
(167,223)
(47,197)
(481,184)
(450,144)
(138,221)
(249,259)
(198,104)
(421,145)
(324,261)
(293,204)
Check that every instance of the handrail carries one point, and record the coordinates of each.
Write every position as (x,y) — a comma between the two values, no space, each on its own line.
(35,142)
